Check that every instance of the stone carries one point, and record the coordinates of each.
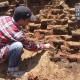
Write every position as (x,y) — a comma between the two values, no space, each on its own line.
(39,33)
(72,24)
(60,30)
(76,33)
(33,26)
(56,11)
(4,4)
(66,37)
(64,21)
(58,42)
(48,6)
(12,6)
(62,16)
(73,45)
(72,10)
(45,22)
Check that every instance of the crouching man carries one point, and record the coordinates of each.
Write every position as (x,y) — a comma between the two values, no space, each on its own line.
(13,39)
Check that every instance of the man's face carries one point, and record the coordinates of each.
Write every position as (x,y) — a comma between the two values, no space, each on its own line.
(25,22)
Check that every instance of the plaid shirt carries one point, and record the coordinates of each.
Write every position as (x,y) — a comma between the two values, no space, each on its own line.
(9,33)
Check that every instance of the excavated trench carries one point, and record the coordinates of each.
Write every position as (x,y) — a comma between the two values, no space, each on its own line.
(56,24)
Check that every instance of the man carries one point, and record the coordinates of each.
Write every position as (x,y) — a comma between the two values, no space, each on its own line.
(12,38)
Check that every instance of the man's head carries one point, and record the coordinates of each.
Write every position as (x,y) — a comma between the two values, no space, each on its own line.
(23,15)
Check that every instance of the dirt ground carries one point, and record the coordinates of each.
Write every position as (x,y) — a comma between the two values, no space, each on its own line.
(58,26)
(41,66)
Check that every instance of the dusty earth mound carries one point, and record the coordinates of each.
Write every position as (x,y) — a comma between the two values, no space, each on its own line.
(58,26)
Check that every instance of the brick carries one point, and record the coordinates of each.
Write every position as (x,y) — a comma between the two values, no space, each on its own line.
(57,22)
(72,45)
(72,10)
(66,37)
(12,6)
(48,6)
(37,21)
(62,16)
(45,22)
(43,16)
(70,21)
(59,6)
(56,11)
(40,33)
(33,26)
(72,24)
(64,21)
(72,57)
(76,33)
(72,17)
(41,12)
(63,48)
(52,38)
(50,26)
(46,32)
(61,21)
(49,16)
(58,42)
(60,30)
(29,35)
(8,13)
(4,4)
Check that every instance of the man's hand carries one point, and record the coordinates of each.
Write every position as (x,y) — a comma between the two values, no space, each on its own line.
(48,46)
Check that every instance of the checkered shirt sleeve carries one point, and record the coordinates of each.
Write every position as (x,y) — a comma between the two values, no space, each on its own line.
(13,33)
